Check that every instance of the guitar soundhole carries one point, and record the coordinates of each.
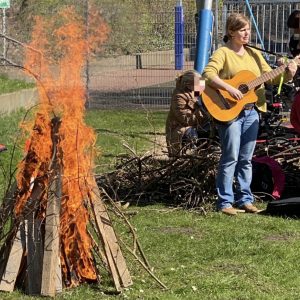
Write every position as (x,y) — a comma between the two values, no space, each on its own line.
(243,88)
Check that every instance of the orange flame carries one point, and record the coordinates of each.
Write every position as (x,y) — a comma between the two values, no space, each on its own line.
(62,94)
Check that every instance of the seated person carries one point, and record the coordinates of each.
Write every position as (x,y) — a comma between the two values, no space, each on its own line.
(186,115)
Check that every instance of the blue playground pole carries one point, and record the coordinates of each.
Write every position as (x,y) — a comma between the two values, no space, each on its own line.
(204,36)
(179,36)
(256,27)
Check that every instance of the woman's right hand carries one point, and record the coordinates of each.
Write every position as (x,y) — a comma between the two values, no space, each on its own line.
(235,93)
(218,83)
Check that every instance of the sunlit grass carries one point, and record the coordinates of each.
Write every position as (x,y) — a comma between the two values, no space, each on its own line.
(195,256)
(115,129)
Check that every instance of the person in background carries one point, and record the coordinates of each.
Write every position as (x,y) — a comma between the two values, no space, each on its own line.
(2,148)
(238,137)
(186,116)
(295,113)
(293,22)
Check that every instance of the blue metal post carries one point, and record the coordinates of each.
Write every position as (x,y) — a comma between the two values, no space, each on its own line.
(204,36)
(256,27)
(179,36)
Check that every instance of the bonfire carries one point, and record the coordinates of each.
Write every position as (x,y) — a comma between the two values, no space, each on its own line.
(55,227)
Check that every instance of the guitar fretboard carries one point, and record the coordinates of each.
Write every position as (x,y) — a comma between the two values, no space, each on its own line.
(265,77)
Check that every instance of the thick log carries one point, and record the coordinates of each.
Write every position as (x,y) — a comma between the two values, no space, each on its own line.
(110,240)
(34,239)
(34,254)
(12,267)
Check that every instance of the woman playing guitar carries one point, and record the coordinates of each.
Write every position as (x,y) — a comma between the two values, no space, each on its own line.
(225,74)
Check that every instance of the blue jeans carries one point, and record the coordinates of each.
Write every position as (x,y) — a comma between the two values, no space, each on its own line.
(238,140)
(190,138)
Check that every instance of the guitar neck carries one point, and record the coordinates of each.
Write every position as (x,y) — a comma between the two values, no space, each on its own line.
(265,77)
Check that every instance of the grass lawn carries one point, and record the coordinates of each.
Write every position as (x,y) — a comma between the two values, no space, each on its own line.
(8,85)
(195,256)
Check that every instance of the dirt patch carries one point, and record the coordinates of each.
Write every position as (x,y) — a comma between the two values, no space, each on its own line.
(160,147)
(282,237)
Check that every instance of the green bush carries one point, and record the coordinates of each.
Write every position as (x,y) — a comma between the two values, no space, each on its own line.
(135,25)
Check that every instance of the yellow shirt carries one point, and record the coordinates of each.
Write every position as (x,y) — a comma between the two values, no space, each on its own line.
(226,63)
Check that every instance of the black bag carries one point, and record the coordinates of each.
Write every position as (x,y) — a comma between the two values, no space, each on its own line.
(289,207)
(262,179)
(267,177)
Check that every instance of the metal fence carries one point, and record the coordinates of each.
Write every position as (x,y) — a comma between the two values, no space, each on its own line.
(126,76)
(148,78)
(270,17)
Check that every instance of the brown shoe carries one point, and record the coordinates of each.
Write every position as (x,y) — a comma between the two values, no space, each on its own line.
(250,208)
(230,211)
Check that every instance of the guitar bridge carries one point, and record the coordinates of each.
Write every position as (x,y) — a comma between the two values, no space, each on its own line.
(223,100)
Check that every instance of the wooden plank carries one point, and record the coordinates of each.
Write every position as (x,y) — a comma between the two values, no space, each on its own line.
(103,218)
(108,254)
(11,271)
(51,274)
(34,254)
(58,280)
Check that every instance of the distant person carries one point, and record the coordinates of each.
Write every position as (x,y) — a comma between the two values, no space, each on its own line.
(238,136)
(2,148)
(293,22)
(186,116)
(295,113)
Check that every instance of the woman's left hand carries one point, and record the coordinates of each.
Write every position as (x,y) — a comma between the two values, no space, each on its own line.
(291,69)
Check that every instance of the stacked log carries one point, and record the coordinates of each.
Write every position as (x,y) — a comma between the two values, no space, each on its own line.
(32,248)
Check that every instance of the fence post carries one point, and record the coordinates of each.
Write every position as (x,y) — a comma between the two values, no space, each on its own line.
(179,36)
(4,32)
(138,61)
(87,59)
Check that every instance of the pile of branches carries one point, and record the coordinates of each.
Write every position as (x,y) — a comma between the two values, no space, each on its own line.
(187,180)
(288,156)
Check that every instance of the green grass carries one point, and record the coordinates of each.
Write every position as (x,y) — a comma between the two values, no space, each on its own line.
(197,257)
(10,136)
(11,85)
(116,128)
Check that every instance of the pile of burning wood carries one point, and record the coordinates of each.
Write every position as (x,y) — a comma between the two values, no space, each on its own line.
(51,240)
(55,231)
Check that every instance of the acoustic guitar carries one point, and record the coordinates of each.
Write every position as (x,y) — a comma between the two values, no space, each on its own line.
(223,107)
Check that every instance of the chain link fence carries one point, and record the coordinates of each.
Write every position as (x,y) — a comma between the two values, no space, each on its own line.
(137,64)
